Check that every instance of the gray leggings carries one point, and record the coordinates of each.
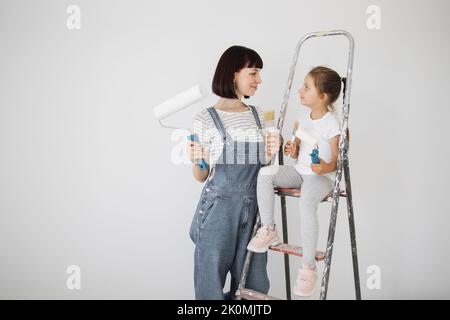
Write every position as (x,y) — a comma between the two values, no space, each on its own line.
(313,189)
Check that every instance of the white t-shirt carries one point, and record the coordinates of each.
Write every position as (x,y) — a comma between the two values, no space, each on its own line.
(322,130)
(241,126)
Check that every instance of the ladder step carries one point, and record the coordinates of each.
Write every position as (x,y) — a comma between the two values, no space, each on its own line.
(295,250)
(290,192)
(296,192)
(249,294)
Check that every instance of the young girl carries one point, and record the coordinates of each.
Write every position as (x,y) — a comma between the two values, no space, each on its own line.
(321,88)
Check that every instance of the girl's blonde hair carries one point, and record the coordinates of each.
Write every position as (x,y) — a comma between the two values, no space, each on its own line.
(327,81)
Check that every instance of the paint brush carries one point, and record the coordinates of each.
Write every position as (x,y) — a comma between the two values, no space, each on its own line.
(269,123)
(294,131)
(269,118)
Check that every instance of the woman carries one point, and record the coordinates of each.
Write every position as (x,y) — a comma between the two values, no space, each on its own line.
(230,141)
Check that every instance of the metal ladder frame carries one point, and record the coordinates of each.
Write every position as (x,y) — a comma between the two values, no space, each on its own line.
(342,168)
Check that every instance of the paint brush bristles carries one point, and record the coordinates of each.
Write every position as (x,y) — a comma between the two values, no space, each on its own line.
(294,130)
(269,118)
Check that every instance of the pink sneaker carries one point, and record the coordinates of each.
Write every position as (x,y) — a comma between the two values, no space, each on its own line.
(306,281)
(265,236)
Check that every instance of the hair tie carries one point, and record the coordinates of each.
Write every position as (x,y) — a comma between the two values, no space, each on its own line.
(344,81)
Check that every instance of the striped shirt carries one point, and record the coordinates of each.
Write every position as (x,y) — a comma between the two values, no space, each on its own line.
(240,126)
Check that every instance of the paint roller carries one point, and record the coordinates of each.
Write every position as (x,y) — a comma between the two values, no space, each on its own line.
(309,139)
(178,103)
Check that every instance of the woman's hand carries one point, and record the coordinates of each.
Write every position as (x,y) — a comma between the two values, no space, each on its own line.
(272,141)
(196,152)
(292,149)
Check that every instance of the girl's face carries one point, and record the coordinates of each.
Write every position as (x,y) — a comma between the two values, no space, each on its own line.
(247,81)
(309,96)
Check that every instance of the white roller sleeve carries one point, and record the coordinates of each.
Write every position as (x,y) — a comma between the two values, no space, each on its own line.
(306,137)
(179,102)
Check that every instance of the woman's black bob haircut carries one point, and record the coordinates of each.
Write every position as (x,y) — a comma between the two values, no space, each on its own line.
(233,60)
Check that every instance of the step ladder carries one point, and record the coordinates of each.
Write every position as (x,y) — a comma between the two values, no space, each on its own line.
(333,197)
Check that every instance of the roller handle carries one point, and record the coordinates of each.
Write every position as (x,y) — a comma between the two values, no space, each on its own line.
(202,163)
(315,156)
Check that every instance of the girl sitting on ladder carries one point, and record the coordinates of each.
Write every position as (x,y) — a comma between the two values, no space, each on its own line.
(320,90)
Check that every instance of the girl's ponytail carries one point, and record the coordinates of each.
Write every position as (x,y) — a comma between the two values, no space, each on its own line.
(344,81)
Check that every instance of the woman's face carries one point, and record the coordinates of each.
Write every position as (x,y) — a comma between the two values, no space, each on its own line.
(247,81)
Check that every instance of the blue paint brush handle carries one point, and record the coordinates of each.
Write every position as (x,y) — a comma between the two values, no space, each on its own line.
(202,163)
(315,156)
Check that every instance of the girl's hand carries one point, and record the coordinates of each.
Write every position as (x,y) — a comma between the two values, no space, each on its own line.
(196,152)
(272,143)
(291,149)
(319,168)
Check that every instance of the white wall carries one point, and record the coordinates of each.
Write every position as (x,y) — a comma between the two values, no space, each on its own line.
(87,176)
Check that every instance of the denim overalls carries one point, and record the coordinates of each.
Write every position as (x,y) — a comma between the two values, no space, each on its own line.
(224,218)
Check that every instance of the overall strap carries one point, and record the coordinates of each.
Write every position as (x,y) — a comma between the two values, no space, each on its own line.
(259,149)
(217,122)
(255,114)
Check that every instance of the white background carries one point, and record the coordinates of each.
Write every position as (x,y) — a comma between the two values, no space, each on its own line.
(87,175)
